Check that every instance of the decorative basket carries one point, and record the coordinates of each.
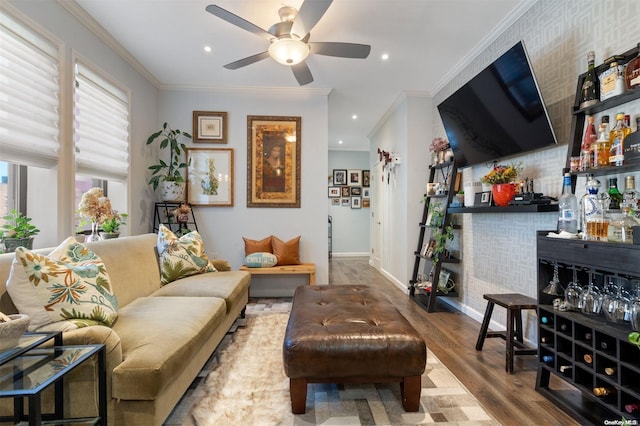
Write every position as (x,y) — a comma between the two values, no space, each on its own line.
(11,331)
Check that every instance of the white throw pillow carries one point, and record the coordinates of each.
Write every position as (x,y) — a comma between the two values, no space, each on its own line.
(181,257)
(260,260)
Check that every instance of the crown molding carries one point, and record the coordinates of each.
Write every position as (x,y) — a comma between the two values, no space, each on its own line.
(485,42)
(402,97)
(87,20)
(253,90)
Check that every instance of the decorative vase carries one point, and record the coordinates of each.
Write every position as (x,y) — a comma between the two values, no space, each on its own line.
(503,193)
(442,156)
(11,331)
(94,236)
(172,191)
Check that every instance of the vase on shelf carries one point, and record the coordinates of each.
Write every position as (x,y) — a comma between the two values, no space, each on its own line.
(94,236)
(503,193)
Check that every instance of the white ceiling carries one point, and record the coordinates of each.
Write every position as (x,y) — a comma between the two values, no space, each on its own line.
(425,41)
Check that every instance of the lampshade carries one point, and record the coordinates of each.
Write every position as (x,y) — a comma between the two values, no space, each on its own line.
(288,51)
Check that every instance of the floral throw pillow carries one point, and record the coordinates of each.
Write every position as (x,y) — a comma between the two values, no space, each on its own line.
(181,257)
(70,284)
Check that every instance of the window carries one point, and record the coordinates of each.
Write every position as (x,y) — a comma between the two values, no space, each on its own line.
(101,126)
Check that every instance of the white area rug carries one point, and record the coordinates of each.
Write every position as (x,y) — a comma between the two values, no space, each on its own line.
(249,387)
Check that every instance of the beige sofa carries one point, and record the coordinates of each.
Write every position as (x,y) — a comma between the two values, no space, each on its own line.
(161,339)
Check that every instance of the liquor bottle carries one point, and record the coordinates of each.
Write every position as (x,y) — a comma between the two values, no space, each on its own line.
(595,221)
(590,94)
(632,408)
(588,358)
(601,391)
(547,358)
(621,230)
(610,371)
(632,73)
(590,136)
(615,197)
(612,80)
(616,139)
(568,208)
(630,195)
(632,142)
(600,148)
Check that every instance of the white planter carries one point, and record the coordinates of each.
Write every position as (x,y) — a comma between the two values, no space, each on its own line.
(172,191)
(470,190)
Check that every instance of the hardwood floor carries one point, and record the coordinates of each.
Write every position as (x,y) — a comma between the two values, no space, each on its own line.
(451,335)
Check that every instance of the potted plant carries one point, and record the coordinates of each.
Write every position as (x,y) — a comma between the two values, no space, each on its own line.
(167,175)
(440,239)
(502,178)
(17,231)
(111,225)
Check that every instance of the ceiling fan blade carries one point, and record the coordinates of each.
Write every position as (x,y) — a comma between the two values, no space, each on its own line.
(341,50)
(247,61)
(238,21)
(302,73)
(311,11)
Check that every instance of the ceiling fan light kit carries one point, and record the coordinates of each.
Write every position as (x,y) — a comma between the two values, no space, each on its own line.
(288,51)
(289,38)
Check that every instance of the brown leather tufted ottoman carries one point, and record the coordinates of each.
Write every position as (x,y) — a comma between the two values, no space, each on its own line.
(350,334)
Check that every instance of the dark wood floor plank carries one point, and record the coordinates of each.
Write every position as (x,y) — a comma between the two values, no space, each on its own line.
(451,335)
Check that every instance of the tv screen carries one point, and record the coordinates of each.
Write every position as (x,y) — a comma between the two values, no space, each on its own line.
(498,113)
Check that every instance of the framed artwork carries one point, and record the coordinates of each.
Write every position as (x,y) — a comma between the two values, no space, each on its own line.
(355,177)
(339,177)
(346,202)
(366,203)
(209,126)
(356,191)
(482,199)
(346,191)
(356,202)
(366,178)
(210,176)
(335,201)
(334,192)
(366,193)
(273,161)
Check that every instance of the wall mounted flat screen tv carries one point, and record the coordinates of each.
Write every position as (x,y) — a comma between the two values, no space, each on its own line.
(498,113)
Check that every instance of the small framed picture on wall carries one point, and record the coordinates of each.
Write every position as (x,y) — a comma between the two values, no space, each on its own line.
(334,192)
(356,202)
(355,177)
(339,176)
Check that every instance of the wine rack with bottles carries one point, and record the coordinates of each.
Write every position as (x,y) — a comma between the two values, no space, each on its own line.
(586,351)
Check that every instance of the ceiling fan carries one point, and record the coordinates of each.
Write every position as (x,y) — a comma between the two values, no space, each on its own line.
(289,39)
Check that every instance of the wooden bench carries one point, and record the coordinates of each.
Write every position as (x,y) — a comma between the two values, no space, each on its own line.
(301,269)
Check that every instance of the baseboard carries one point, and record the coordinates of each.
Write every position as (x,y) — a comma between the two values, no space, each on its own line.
(350,254)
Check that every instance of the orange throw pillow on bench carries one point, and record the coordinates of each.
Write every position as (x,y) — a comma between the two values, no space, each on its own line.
(255,246)
(287,253)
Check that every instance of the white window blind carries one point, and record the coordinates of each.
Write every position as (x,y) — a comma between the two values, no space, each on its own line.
(29,95)
(101,124)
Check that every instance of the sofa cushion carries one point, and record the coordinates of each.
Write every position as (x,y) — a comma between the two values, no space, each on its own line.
(255,246)
(229,286)
(181,257)
(70,284)
(288,253)
(154,356)
(260,260)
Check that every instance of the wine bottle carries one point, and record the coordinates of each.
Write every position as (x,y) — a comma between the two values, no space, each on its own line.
(604,345)
(547,358)
(587,336)
(565,368)
(632,408)
(543,339)
(545,320)
(590,94)
(601,391)
(588,358)
(610,371)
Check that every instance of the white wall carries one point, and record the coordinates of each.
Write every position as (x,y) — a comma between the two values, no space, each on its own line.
(350,226)
(223,227)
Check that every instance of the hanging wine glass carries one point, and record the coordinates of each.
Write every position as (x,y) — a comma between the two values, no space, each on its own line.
(616,305)
(572,292)
(634,309)
(590,301)
(554,288)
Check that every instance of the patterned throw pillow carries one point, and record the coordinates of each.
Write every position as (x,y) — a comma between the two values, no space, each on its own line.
(260,260)
(181,257)
(70,284)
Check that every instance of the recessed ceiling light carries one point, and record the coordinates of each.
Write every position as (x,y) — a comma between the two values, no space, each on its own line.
(207,49)
(340,142)
(354,116)
(384,56)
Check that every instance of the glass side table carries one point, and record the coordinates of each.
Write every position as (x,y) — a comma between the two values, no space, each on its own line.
(35,369)
(29,341)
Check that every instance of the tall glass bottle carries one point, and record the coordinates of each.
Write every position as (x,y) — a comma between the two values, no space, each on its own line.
(593,211)
(630,195)
(590,88)
(615,197)
(616,139)
(590,136)
(621,230)
(568,208)
(600,148)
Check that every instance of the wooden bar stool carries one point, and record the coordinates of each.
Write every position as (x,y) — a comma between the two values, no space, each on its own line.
(514,303)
